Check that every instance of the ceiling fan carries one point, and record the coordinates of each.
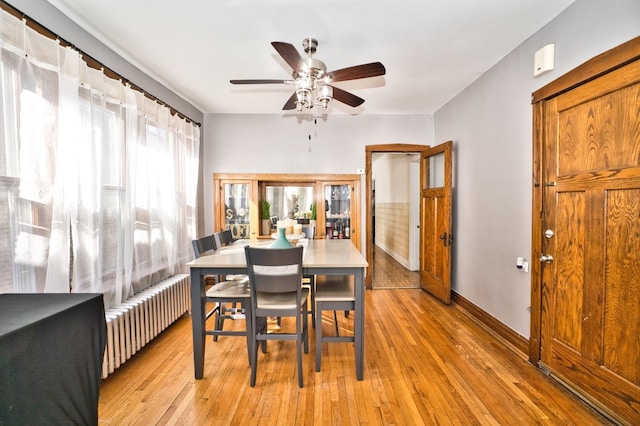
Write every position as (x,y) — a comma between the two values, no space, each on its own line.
(311,79)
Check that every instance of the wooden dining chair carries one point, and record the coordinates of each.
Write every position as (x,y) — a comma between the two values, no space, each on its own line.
(223,293)
(310,280)
(333,292)
(203,246)
(275,280)
(223,239)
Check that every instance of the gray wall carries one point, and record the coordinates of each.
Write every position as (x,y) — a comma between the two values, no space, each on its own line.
(490,123)
(273,143)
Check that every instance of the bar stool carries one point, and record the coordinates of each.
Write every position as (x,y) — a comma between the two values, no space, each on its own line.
(333,293)
(221,293)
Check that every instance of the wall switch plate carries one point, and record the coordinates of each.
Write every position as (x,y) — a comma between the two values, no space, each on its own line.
(360,171)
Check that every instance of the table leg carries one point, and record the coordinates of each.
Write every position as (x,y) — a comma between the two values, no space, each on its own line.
(197,321)
(359,322)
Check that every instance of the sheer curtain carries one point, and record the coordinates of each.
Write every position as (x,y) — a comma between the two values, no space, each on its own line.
(97,182)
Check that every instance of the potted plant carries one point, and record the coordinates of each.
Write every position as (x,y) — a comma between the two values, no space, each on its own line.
(314,215)
(265,209)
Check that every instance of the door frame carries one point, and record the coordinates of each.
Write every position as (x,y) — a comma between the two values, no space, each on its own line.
(414,215)
(604,63)
(369,151)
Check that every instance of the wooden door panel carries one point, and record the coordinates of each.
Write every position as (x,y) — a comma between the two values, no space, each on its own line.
(601,134)
(621,342)
(569,270)
(427,228)
(433,270)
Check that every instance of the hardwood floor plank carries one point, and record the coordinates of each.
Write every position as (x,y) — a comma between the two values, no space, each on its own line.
(389,273)
(425,363)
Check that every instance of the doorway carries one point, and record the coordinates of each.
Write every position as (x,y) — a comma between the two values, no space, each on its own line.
(370,150)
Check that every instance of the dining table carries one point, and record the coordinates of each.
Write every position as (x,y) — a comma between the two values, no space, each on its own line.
(320,257)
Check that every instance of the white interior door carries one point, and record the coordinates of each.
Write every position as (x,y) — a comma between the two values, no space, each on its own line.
(414,215)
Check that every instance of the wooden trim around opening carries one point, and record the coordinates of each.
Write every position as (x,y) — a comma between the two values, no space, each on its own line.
(368,151)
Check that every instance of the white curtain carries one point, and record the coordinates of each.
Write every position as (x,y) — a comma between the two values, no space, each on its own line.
(97,181)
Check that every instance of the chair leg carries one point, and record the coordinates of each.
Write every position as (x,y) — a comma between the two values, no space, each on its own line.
(262,328)
(318,323)
(254,351)
(300,341)
(312,311)
(248,328)
(218,322)
(313,300)
(305,328)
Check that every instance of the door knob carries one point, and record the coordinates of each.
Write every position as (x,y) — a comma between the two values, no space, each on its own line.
(546,258)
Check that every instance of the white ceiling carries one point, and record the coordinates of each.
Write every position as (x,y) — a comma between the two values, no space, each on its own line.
(432,49)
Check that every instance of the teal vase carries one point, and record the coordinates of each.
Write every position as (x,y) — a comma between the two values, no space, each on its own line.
(281,241)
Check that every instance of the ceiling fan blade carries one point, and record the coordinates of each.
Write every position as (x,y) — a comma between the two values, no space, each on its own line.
(291,103)
(289,54)
(373,69)
(346,97)
(258,81)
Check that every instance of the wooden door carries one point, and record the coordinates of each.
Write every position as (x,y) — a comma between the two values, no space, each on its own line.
(236,208)
(435,222)
(340,210)
(590,240)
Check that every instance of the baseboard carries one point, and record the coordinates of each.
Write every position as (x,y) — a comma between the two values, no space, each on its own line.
(401,260)
(518,342)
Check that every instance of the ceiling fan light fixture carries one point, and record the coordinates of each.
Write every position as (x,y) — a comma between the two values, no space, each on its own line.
(303,100)
(325,94)
(303,93)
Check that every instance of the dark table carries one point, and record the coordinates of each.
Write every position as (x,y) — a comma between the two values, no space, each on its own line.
(51,351)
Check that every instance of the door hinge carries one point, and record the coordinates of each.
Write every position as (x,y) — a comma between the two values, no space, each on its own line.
(446,238)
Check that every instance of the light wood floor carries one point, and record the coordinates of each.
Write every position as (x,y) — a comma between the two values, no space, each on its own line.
(425,363)
(388,273)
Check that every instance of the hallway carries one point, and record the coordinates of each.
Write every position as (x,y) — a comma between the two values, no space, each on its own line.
(389,273)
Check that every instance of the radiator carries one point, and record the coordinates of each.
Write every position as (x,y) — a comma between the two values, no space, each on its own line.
(142,317)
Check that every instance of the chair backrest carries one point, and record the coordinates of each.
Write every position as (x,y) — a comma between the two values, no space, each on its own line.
(203,246)
(274,270)
(223,238)
(309,231)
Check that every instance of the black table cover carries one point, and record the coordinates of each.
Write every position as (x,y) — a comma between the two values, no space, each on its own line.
(51,350)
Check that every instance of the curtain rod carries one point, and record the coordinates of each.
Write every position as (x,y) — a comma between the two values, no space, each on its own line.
(88,59)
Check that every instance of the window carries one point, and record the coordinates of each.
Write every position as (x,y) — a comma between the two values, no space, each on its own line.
(97,182)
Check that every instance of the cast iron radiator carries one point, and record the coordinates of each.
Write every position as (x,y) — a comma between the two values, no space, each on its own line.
(142,317)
